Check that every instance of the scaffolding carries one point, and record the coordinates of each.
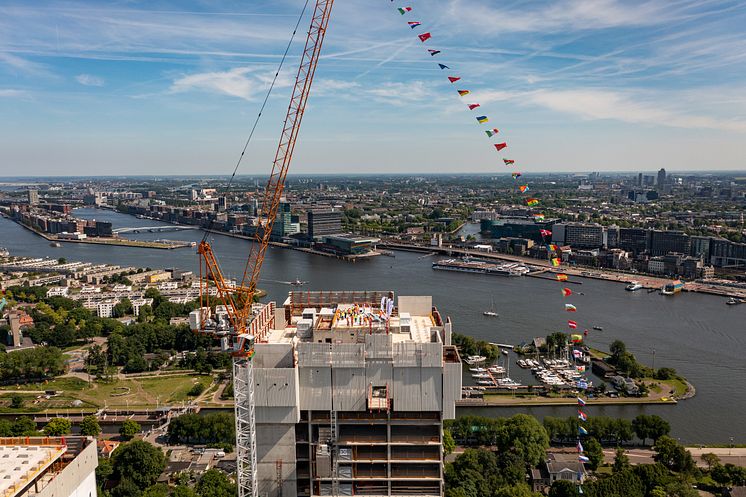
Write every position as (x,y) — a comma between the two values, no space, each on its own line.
(243,388)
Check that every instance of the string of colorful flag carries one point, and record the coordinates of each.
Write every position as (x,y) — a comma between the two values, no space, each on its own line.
(553,251)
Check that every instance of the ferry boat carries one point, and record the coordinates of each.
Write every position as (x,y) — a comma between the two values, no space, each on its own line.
(672,288)
(475,359)
(598,328)
(55,244)
(633,286)
(734,301)
(491,312)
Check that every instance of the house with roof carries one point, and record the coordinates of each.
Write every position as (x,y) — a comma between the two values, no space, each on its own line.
(558,466)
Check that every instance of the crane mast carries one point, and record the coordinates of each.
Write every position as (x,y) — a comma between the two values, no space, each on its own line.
(233,320)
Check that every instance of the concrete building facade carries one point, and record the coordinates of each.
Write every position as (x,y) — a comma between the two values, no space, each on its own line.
(351,392)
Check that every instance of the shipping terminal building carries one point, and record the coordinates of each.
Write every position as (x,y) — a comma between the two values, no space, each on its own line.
(351,390)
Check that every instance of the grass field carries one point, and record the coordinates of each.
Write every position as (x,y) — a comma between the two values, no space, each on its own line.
(66,384)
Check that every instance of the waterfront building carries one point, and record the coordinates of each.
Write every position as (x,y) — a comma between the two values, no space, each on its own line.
(724,253)
(665,242)
(515,228)
(635,240)
(700,247)
(579,235)
(33,197)
(322,223)
(347,244)
(48,467)
(348,397)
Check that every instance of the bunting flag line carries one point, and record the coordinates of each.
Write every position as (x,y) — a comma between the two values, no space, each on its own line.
(570,308)
(583,459)
(556,262)
(545,232)
(473,106)
(538,217)
(424,37)
(580,447)
(582,431)
(582,416)
(463,93)
(577,354)
(500,146)
(580,369)
(492,132)
(453,79)
(581,402)
(433,52)
(482,119)
(566,292)
(443,66)
(561,277)
(516,175)
(553,247)
(523,188)
(576,338)
(414,24)
(509,162)
(404,10)
(572,324)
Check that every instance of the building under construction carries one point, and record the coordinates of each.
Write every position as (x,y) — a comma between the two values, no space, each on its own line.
(351,390)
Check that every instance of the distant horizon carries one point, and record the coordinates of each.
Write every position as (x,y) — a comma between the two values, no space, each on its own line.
(647,172)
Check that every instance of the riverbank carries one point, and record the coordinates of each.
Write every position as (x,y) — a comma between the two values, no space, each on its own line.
(497,400)
(648,282)
(119,242)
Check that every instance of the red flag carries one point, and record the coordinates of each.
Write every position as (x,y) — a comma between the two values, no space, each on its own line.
(453,79)
(508,161)
(566,292)
(545,232)
(473,106)
(500,146)
(424,37)
(572,324)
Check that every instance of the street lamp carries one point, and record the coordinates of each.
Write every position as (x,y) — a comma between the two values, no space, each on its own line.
(730,450)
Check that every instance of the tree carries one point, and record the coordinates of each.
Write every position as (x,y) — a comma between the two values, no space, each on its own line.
(563,488)
(594,452)
(524,436)
(159,490)
(650,426)
(129,429)
(449,445)
(90,427)
(139,461)
(24,426)
(16,401)
(617,349)
(621,461)
(710,459)
(215,483)
(126,488)
(183,491)
(673,455)
(103,471)
(58,427)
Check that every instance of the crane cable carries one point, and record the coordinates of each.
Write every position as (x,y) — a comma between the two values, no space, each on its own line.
(261,110)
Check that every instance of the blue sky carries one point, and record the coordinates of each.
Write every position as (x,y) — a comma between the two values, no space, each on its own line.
(92,88)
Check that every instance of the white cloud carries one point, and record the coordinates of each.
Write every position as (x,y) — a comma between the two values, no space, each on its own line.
(566,14)
(10,93)
(233,83)
(89,80)
(400,92)
(22,65)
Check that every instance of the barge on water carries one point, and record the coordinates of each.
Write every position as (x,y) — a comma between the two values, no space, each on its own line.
(480,267)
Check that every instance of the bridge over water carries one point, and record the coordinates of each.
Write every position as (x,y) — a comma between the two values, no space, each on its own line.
(154,229)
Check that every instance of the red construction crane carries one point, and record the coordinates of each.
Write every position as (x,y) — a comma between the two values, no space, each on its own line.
(235,320)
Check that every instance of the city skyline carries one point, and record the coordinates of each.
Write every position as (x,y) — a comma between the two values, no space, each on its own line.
(172,89)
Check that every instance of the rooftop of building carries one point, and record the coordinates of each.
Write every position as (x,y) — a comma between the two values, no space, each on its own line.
(31,462)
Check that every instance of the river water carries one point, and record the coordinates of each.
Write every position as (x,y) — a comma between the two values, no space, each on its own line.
(699,335)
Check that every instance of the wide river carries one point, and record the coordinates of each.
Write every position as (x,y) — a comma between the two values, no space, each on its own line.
(698,335)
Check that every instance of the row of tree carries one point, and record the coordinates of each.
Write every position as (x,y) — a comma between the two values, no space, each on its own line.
(469,346)
(218,428)
(609,431)
(32,364)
